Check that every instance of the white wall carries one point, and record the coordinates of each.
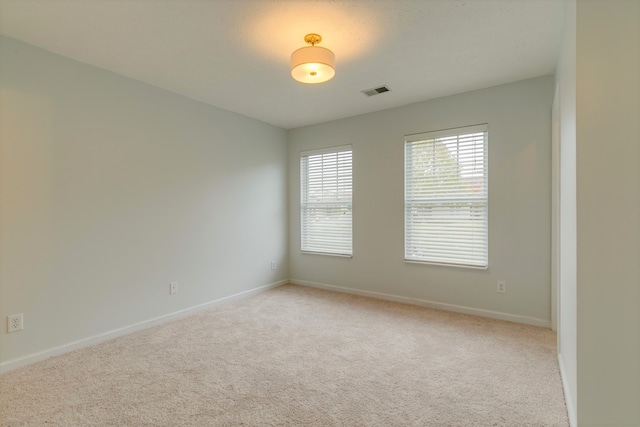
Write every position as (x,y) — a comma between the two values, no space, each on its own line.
(519,118)
(567,331)
(608,212)
(110,189)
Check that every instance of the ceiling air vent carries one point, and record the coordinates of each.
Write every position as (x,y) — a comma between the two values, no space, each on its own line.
(375,91)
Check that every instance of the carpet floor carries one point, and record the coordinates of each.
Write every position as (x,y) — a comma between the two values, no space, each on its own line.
(300,356)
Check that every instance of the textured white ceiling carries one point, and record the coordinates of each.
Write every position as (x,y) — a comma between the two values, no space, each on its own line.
(234,54)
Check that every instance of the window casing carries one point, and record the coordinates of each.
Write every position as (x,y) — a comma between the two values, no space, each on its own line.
(326,201)
(446,197)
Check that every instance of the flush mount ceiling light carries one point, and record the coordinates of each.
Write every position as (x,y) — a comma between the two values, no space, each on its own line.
(313,64)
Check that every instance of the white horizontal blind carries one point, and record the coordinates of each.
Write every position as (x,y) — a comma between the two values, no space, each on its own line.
(446,198)
(326,212)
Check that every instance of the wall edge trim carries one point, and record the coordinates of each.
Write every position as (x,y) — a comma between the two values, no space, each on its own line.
(568,398)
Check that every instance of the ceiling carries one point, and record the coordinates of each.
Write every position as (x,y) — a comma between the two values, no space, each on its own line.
(235,54)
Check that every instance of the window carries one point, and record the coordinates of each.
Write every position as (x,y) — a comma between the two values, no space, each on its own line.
(325,209)
(445,193)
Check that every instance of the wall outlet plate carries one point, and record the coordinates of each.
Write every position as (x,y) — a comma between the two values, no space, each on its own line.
(14,323)
(502,287)
(173,288)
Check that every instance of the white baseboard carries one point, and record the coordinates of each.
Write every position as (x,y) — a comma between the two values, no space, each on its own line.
(85,342)
(568,398)
(42,355)
(431,304)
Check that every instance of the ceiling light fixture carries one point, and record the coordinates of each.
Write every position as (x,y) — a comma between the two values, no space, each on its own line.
(313,64)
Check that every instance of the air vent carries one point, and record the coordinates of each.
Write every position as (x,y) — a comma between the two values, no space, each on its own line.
(375,91)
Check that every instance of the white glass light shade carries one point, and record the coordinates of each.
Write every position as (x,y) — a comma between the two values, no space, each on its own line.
(313,64)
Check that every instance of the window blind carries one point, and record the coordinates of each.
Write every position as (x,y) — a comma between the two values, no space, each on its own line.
(446,197)
(326,191)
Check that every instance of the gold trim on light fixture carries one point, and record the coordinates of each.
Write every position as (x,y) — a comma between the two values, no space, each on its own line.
(313,64)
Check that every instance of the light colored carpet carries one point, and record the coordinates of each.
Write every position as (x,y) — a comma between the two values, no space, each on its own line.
(300,356)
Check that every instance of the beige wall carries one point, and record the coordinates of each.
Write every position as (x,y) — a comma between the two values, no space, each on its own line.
(599,327)
(608,212)
(110,189)
(519,120)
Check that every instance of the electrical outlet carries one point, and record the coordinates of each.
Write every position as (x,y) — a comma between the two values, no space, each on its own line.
(173,288)
(273,265)
(14,323)
(502,287)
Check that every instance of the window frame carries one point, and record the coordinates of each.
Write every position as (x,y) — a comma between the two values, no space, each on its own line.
(338,202)
(456,259)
